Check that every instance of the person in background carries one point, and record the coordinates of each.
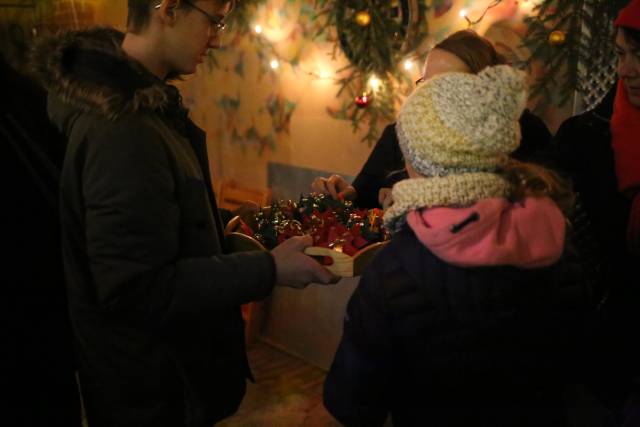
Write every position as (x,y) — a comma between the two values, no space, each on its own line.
(461,319)
(463,51)
(39,370)
(600,151)
(153,297)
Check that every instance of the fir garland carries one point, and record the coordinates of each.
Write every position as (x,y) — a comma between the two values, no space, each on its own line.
(393,32)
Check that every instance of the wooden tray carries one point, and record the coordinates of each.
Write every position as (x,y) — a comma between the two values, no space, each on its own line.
(343,264)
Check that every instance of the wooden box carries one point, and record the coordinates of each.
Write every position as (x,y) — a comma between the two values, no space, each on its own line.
(343,265)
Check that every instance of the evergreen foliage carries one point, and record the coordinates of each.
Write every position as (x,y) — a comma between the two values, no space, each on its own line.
(588,27)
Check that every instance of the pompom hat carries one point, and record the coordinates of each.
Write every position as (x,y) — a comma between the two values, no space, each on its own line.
(462,122)
(456,130)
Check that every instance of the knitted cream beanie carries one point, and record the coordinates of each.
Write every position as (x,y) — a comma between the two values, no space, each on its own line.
(462,122)
(456,129)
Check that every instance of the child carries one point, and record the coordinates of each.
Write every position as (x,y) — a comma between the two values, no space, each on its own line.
(460,319)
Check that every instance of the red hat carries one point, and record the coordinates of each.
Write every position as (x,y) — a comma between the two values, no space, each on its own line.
(629,16)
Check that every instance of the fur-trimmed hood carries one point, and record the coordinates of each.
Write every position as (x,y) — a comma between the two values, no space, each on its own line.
(89,72)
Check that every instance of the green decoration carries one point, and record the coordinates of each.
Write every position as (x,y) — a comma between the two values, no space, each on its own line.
(393,33)
(332,223)
(566,35)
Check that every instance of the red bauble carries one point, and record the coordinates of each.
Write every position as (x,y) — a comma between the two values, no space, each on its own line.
(363,100)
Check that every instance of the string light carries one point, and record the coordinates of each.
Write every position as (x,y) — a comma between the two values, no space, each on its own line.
(374,82)
(321,73)
(463,13)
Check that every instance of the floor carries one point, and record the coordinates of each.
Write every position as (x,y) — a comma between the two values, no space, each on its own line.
(287,393)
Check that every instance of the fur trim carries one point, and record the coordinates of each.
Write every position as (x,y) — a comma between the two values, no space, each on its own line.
(52,60)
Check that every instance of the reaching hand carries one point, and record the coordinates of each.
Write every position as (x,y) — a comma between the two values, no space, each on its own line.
(335,185)
(297,270)
(384,197)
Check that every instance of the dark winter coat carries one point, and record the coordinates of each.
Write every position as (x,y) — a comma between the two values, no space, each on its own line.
(39,372)
(154,301)
(582,149)
(385,165)
(435,344)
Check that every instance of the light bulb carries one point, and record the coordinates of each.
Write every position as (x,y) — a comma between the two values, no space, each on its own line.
(408,64)
(463,13)
(274,64)
(374,82)
(258,29)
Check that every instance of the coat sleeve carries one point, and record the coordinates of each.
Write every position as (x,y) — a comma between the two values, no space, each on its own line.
(132,223)
(535,139)
(357,390)
(385,158)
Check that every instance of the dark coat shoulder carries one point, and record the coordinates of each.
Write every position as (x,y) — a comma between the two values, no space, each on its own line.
(421,336)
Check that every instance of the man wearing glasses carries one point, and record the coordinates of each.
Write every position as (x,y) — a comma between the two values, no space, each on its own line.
(153,298)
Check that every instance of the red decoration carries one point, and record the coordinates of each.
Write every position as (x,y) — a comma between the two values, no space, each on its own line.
(363,100)
(333,224)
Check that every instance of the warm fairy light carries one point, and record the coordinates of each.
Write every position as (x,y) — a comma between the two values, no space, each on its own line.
(274,64)
(463,13)
(527,6)
(374,82)
(258,29)
(408,64)
(324,74)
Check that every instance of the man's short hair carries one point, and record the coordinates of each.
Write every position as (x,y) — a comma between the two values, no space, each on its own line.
(139,13)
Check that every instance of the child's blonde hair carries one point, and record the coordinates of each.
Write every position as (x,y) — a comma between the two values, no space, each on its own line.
(530,179)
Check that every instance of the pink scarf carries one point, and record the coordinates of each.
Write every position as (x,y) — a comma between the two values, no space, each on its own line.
(625,140)
(528,234)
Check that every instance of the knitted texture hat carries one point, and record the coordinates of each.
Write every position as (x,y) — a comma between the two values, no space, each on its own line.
(457,129)
(462,122)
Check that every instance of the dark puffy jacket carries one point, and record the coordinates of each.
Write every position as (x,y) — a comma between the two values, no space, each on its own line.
(154,301)
(435,344)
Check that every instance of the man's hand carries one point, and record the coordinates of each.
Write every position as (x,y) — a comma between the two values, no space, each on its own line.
(297,270)
(335,185)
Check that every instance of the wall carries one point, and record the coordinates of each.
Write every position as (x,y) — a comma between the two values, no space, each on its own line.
(255,115)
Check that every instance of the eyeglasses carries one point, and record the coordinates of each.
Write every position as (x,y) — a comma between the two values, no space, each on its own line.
(217,24)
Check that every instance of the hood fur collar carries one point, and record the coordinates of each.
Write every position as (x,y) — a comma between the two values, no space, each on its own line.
(89,71)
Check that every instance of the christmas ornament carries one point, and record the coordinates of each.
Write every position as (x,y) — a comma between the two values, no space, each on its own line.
(333,224)
(345,238)
(363,100)
(363,18)
(557,38)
